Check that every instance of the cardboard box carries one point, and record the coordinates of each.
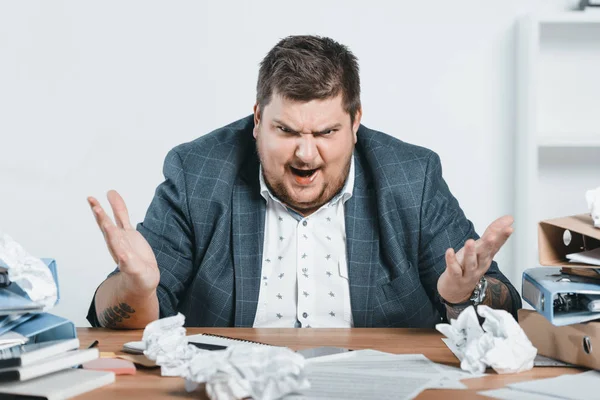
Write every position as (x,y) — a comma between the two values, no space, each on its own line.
(577,344)
(552,248)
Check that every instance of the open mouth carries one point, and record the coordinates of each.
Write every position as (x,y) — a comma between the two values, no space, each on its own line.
(304,176)
(305,173)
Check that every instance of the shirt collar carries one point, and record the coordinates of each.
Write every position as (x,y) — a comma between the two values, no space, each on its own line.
(345,194)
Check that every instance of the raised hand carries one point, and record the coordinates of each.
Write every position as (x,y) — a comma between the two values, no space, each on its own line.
(128,248)
(465,268)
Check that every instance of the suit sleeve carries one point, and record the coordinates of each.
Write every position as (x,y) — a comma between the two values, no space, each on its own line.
(444,225)
(168,230)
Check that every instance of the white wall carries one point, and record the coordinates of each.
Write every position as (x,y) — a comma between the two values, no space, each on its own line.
(94,94)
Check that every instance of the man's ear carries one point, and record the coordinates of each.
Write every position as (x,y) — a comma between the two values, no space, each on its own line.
(256,119)
(356,124)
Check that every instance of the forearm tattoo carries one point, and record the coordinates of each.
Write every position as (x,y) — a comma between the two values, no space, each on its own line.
(113,316)
(452,312)
(497,296)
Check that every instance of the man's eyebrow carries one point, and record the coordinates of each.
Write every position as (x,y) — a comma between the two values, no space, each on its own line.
(329,128)
(278,122)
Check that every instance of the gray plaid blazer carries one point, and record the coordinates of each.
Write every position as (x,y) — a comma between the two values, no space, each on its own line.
(206,226)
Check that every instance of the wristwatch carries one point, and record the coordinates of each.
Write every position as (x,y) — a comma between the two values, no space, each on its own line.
(476,298)
(479,292)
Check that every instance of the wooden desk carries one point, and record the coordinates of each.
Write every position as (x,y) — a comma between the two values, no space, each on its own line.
(147,384)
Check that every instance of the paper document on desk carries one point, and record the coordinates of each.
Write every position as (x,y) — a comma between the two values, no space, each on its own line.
(442,376)
(339,383)
(582,386)
(511,394)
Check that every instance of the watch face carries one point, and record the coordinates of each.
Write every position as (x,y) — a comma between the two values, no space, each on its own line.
(479,292)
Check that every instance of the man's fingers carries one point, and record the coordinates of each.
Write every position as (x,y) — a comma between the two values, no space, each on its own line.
(106,225)
(504,221)
(470,259)
(452,264)
(499,226)
(102,219)
(496,235)
(119,209)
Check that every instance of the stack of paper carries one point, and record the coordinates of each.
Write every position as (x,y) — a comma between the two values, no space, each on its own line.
(591,257)
(11,339)
(42,370)
(582,386)
(374,374)
(58,386)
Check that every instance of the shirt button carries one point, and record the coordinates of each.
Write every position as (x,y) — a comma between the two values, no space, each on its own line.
(304,223)
(305,315)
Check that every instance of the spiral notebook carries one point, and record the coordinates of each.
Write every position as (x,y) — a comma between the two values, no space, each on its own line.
(205,341)
(218,340)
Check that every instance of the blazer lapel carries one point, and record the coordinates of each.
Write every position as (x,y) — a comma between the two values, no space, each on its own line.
(248,218)
(362,245)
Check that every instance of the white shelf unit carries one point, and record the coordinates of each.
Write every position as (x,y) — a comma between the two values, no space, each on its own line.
(557,142)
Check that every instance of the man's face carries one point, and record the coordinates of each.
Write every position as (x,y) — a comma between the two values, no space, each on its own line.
(305,149)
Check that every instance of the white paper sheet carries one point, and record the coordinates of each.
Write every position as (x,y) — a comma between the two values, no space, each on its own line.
(582,386)
(416,363)
(329,383)
(400,364)
(457,373)
(591,257)
(10,339)
(511,394)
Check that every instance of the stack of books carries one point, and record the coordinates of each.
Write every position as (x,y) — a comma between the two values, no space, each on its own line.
(38,350)
(49,370)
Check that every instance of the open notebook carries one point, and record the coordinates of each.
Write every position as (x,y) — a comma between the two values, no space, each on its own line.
(205,341)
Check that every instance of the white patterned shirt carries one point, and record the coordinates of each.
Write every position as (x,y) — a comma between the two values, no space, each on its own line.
(304,279)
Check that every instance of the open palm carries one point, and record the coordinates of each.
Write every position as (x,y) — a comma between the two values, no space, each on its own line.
(128,248)
(469,264)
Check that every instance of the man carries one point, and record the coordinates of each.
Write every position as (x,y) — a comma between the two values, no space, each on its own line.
(299,216)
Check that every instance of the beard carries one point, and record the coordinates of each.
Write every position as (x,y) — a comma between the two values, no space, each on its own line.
(329,190)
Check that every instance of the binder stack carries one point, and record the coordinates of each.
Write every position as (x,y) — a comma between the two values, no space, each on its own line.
(23,320)
(565,292)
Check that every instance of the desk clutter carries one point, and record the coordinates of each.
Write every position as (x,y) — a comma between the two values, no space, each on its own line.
(565,290)
(38,350)
(246,369)
(40,355)
(565,295)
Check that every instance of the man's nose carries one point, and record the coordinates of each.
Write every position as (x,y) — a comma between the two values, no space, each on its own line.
(306,150)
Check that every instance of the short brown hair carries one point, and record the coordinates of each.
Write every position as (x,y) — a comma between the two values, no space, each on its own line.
(304,68)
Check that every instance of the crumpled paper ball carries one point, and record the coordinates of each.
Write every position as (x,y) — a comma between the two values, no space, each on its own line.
(499,343)
(238,372)
(593,200)
(28,272)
